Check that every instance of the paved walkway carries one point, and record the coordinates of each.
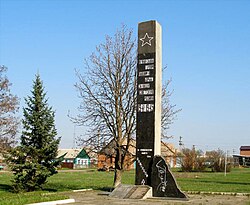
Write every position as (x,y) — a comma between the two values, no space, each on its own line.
(101,198)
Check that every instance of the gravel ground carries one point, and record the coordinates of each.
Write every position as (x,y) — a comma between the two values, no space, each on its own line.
(99,198)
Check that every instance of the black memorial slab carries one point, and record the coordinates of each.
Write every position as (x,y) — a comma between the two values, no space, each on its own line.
(145,117)
(148,99)
(163,181)
(124,191)
(151,170)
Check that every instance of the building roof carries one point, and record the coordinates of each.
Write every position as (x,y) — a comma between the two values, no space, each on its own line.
(91,152)
(239,155)
(109,149)
(245,148)
(70,153)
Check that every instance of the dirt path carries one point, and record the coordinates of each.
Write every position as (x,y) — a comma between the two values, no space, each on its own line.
(99,198)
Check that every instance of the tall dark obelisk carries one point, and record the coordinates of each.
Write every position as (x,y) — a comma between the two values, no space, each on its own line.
(149,82)
(151,169)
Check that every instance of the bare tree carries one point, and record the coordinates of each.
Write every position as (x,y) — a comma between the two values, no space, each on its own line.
(108,93)
(8,108)
(169,111)
(108,89)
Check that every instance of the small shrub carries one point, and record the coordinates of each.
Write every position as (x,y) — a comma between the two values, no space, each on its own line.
(192,161)
(216,159)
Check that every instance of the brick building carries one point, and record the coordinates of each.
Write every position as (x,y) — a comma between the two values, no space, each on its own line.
(243,159)
(106,157)
(245,150)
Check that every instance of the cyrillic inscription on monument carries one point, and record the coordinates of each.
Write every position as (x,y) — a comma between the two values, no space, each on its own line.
(147,99)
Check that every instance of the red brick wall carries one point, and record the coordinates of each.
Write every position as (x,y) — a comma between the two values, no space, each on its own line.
(245,152)
(69,165)
(106,161)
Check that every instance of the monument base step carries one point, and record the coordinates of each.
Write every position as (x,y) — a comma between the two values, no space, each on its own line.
(168,198)
(124,191)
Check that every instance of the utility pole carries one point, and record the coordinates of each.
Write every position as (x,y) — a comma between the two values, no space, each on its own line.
(181,143)
(74,133)
(225,174)
(181,147)
(234,159)
(74,136)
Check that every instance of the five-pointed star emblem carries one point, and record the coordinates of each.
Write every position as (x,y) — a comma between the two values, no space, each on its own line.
(146,40)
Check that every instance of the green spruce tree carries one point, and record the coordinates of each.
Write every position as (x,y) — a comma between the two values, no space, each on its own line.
(34,160)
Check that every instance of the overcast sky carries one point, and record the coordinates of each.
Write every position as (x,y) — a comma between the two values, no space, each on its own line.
(206,47)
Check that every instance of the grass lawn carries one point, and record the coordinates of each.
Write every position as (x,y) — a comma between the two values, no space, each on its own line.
(238,180)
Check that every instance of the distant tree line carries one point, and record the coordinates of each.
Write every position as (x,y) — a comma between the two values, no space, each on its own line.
(197,161)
